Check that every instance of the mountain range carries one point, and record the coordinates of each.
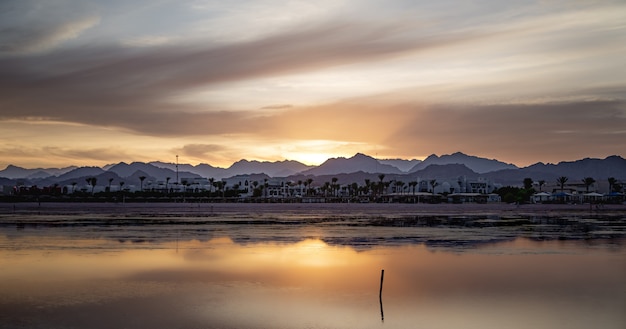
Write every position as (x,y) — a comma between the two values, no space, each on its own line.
(347,170)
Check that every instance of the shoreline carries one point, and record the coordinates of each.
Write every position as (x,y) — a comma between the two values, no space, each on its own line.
(306,209)
(344,224)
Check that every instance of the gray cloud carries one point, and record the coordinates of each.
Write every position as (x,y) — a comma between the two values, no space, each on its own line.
(516,132)
(201,150)
(60,155)
(32,27)
(98,154)
(36,40)
(130,88)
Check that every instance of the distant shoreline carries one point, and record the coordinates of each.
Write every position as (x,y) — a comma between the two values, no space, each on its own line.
(331,209)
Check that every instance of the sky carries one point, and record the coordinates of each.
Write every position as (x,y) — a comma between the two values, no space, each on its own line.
(98,82)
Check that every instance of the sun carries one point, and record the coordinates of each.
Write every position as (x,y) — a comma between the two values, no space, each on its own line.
(311,158)
(315,152)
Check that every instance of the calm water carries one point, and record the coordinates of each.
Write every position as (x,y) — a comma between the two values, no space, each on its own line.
(311,275)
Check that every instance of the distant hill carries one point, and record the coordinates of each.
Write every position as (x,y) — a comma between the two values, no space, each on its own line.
(402,164)
(346,170)
(80,172)
(102,180)
(272,169)
(599,169)
(13,172)
(359,162)
(446,171)
(477,164)
(241,167)
(203,169)
(155,173)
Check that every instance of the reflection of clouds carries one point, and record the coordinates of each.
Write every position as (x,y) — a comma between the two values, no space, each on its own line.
(311,283)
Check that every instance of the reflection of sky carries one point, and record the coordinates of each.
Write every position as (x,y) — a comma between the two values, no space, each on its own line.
(310,284)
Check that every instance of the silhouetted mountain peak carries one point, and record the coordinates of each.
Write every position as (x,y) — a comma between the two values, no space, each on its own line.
(13,172)
(451,170)
(599,169)
(275,169)
(358,162)
(476,164)
(360,166)
(402,164)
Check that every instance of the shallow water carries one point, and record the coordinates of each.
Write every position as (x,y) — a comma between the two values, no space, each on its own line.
(89,272)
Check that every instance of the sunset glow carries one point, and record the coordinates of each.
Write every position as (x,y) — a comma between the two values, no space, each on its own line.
(94,83)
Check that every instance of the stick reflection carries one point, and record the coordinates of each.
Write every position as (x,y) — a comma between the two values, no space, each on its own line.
(380,295)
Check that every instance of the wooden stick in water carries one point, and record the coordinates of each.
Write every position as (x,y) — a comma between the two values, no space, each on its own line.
(380,295)
(382,277)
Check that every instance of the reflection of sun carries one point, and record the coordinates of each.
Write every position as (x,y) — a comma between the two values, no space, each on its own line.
(313,253)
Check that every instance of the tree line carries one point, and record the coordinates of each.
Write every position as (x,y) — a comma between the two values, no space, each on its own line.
(510,194)
(371,190)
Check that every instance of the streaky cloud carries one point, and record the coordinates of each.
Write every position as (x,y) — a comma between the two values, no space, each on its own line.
(113,85)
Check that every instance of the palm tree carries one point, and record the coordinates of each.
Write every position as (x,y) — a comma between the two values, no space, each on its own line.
(412,184)
(326,188)
(288,190)
(220,185)
(255,185)
(141,178)
(110,181)
(397,184)
(334,180)
(73,187)
(167,183)
(561,181)
(401,185)
(612,182)
(588,181)
(121,185)
(374,188)
(211,180)
(541,184)
(528,183)
(236,188)
(309,181)
(300,186)
(92,181)
(433,183)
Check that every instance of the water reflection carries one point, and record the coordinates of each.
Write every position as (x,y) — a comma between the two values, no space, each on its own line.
(380,295)
(76,282)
